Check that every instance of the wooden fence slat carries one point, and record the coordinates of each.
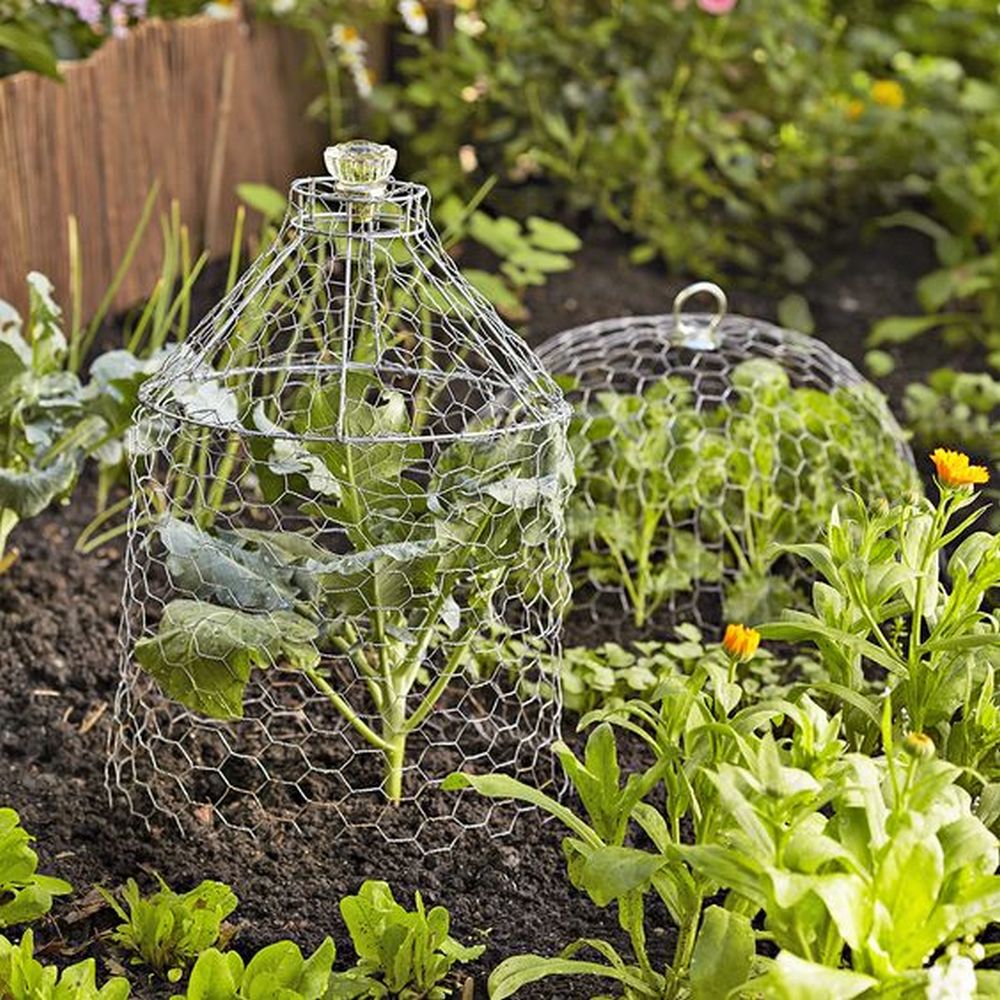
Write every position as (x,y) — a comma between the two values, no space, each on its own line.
(149,106)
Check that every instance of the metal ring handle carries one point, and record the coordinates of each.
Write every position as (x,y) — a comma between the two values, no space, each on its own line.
(699,336)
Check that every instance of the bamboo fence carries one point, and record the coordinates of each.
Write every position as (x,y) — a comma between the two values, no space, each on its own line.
(199,105)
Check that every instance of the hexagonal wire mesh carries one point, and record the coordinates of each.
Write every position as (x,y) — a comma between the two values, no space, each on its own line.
(702,442)
(349,475)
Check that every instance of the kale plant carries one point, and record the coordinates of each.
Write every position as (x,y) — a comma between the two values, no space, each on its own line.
(425,557)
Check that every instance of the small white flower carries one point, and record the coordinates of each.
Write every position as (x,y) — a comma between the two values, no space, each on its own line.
(280,7)
(362,80)
(348,41)
(414,16)
(467,158)
(956,980)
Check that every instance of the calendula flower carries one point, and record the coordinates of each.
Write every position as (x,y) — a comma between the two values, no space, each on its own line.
(854,110)
(918,745)
(888,93)
(717,7)
(954,470)
(741,642)
(414,16)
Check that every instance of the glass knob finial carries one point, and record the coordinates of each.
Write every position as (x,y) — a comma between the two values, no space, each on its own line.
(359,166)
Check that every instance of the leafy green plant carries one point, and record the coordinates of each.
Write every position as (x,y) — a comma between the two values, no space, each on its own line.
(168,930)
(402,953)
(23,977)
(860,879)
(277,972)
(24,894)
(753,473)
(714,951)
(410,588)
(605,676)
(884,602)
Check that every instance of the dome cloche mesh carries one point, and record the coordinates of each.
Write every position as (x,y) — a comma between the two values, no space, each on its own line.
(349,475)
(703,442)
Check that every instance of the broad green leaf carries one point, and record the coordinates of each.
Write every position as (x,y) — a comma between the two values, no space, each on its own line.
(202,655)
(213,569)
(32,47)
(611,872)
(215,976)
(794,978)
(263,198)
(28,493)
(548,235)
(723,954)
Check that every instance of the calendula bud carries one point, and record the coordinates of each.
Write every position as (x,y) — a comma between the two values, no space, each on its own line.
(741,642)
(919,745)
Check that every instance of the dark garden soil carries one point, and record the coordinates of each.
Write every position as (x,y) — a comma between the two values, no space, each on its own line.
(59,614)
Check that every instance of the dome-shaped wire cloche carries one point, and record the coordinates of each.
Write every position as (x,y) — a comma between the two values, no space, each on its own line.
(703,442)
(349,475)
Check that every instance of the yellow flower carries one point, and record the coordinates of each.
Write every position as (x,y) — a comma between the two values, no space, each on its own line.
(954,471)
(888,93)
(918,745)
(741,642)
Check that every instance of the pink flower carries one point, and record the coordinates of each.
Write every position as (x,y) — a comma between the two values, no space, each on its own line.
(717,7)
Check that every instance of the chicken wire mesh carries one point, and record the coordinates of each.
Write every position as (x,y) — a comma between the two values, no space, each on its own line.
(702,443)
(349,475)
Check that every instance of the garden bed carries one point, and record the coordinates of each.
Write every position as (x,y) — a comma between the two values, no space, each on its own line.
(59,614)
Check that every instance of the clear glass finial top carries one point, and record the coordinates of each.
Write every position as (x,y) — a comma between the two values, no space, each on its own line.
(360,167)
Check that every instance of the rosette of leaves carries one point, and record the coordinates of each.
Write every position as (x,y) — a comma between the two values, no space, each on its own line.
(168,930)
(861,879)
(402,604)
(407,954)
(24,894)
(277,972)
(23,977)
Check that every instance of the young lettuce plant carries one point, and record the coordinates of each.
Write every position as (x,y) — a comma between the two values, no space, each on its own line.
(402,604)
(862,878)
(23,977)
(401,953)
(168,930)
(277,972)
(24,894)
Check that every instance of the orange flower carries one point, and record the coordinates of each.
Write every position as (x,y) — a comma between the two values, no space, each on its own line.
(741,642)
(954,471)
